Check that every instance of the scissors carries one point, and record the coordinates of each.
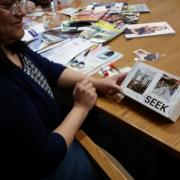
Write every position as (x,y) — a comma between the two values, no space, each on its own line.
(79,61)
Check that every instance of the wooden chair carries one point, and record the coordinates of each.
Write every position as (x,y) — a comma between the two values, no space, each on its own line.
(110,166)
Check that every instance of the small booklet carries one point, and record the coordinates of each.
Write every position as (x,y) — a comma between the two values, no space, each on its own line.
(142,8)
(88,15)
(154,88)
(147,29)
(101,32)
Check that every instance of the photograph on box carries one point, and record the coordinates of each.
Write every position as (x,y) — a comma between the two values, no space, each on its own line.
(166,87)
(141,80)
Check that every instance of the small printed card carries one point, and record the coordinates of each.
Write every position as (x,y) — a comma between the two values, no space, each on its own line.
(146,56)
(147,29)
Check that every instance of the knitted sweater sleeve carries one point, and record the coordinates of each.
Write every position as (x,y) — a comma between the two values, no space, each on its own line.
(23,137)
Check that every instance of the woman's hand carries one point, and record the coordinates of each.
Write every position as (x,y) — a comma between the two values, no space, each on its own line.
(84,99)
(84,95)
(110,85)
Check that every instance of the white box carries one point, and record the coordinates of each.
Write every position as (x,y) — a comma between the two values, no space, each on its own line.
(154,88)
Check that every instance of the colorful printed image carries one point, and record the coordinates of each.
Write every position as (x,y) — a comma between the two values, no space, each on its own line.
(115,18)
(166,87)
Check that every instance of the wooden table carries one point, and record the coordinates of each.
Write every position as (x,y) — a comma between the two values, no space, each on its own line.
(135,116)
(140,119)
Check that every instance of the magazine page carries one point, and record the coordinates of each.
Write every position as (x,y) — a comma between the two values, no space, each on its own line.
(29,35)
(76,27)
(44,41)
(50,37)
(55,35)
(147,29)
(67,50)
(93,61)
(37,44)
(31,32)
(154,88)
(101,32)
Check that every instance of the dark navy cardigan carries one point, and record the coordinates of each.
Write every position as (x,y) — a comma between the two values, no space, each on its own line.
(28,114)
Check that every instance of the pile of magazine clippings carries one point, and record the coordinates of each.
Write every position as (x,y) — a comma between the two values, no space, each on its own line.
(97,23)
(86,33)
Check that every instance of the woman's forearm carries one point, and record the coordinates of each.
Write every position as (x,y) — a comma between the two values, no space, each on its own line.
(72,123)
(69,78)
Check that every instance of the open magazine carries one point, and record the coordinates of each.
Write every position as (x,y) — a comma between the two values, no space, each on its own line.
(101,32)
(67,50)
(82,55)
(92,60)
(50,37)
(154,88)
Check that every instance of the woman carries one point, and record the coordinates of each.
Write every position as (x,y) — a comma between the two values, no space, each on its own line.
(34,134)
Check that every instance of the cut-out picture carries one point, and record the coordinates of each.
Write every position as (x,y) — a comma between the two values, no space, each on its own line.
(147,29)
